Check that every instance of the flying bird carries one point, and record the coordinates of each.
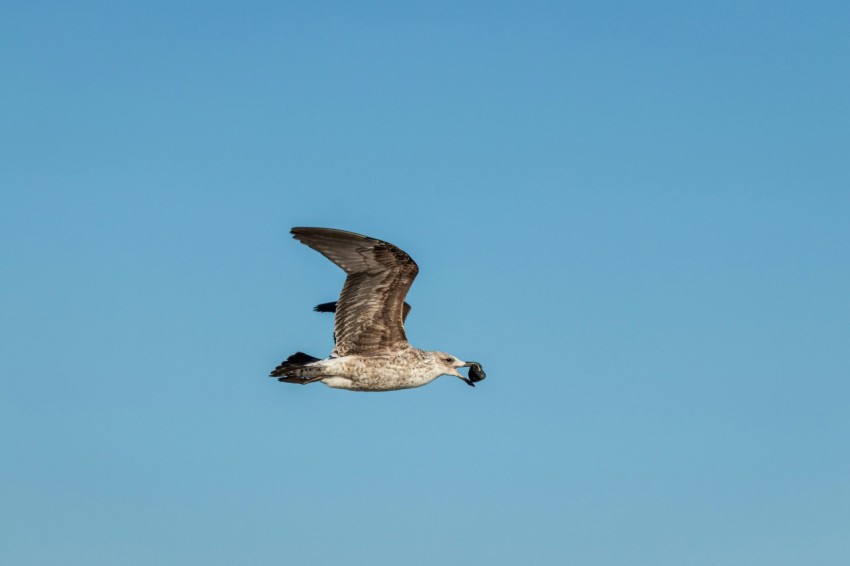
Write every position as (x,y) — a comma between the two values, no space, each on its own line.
(371,351)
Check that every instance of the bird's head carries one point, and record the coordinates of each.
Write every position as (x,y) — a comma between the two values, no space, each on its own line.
(449,364)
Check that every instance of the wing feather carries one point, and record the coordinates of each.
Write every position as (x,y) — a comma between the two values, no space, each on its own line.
(370,310)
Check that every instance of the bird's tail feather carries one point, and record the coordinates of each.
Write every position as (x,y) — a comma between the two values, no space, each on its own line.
(294,366)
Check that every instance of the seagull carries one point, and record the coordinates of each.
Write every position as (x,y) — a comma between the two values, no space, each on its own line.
(371,351)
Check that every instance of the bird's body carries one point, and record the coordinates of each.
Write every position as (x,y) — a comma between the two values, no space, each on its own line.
(404,369)
(371,351)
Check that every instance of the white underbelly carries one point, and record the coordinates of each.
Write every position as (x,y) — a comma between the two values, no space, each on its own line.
(338,382)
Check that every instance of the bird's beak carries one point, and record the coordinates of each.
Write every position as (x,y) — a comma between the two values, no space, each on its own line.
(455,373)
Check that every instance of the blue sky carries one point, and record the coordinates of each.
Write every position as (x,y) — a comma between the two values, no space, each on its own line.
(635,215)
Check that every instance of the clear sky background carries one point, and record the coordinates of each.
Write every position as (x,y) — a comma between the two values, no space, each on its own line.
(635,215)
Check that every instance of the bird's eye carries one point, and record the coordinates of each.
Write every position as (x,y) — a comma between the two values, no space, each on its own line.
(448,360)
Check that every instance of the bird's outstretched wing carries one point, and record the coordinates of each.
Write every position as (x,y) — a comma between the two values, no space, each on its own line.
(369,313)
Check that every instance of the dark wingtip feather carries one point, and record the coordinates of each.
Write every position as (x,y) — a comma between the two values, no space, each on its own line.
(301,358)
(326,307)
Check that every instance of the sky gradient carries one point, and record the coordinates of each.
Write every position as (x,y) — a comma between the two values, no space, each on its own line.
(634,215)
